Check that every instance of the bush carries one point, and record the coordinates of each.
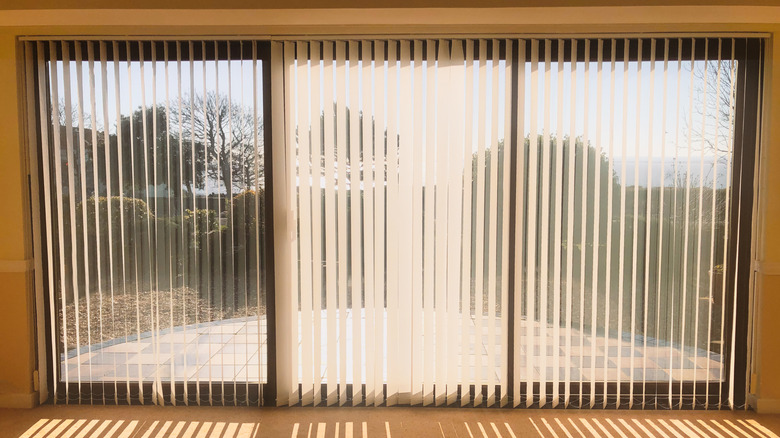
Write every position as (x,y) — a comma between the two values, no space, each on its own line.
(134,209)
(135,212)
(205,222)
(245,211)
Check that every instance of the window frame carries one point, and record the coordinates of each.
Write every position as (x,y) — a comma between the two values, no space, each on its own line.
(749,52)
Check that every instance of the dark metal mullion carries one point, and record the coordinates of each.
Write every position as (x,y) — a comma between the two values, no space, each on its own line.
(269,390)
(739,269)
(53,372)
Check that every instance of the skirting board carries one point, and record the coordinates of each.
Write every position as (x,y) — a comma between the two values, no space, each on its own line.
(766,405)
(18,400)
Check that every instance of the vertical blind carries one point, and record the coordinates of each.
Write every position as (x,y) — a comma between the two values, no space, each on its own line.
(152,199)
(524,222)
(473,222)
(379,138)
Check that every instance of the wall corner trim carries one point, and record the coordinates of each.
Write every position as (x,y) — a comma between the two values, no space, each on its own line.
(767,268)
(17,265)
(766,405)
(18,400)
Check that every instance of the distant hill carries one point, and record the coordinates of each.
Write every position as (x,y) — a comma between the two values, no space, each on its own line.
(666,169)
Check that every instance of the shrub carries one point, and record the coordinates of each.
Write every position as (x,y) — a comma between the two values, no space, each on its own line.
(245,212)
(205,222)
(136,211)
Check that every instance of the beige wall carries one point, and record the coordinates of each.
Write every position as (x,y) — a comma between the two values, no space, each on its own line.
(16,327)
(17,344)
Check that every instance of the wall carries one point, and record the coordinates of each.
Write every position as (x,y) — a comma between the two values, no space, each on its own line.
(17,335)
(15,316)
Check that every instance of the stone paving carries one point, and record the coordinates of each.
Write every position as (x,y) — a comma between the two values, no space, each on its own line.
(235,350)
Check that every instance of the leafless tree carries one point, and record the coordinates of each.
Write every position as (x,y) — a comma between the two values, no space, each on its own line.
(73,111)
(226,131)
(714,102)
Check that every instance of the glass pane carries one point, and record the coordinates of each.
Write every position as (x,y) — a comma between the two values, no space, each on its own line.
(158,218)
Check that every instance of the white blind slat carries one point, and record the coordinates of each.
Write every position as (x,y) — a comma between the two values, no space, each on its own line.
(417,324)
(596,224)
(584,216)
(623,218)
(713,219)
(465,304)
(380,339)
(700,229)
(356,197)
(428,224)
(572,156)
(544,223)
(406,234)
(558,210)
(506,208)
(455,216)
(648,221)
(610,194)
(72,199)
(392,232)
(440,188)
(531,230)
(661,204)
(479,286)
(82,183)
(635,228)
(674,203)
(305,181)
(315,81)
(492,244)
(330,224)
(519,147)
(687,214)
(369,169)
(729,179)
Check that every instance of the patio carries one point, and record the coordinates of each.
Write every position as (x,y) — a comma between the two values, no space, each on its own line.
(234,350)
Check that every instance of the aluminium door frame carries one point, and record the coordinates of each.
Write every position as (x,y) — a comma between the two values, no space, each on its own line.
(48,367)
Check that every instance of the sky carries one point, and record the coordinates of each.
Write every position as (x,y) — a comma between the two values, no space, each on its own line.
(627,97)
(234,79)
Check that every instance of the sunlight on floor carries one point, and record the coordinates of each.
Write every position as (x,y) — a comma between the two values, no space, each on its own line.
(620,427)
(549,426)
(46,428)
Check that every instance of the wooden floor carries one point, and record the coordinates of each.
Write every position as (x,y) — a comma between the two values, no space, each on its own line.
(198,422)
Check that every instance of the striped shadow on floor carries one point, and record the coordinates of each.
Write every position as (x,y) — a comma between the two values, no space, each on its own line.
(622,428)
(346,429)
(394,424)
(70,428)
(556,428)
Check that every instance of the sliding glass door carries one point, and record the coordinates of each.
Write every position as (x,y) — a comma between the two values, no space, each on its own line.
(399,182)
(153,195)
(631,202)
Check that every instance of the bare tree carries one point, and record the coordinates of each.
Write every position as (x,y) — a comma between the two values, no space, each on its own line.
(714,101)
(226,132)
(73,111)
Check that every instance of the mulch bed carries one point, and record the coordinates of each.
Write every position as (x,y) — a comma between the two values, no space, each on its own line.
(121,316)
